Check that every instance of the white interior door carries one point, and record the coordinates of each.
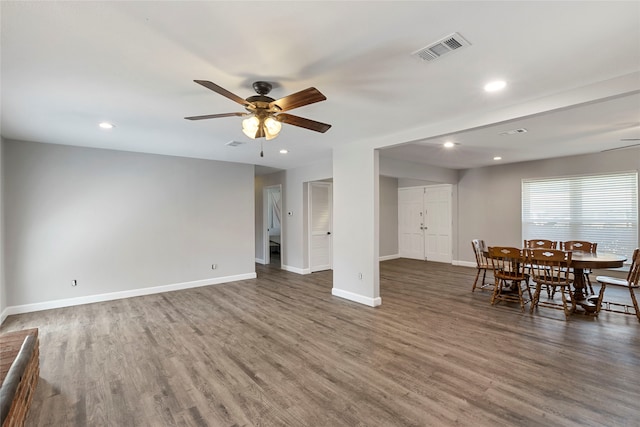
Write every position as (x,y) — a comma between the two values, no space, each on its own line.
(410,223)
(424,223)
(320,226)
(437,208)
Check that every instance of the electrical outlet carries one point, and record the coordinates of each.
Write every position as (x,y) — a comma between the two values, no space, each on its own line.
(360,276)
(74,283)
(214,266)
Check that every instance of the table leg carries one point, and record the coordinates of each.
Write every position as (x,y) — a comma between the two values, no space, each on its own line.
(578,284)
(578,294)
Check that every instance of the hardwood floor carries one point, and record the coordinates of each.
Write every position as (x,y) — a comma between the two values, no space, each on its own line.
(281,351)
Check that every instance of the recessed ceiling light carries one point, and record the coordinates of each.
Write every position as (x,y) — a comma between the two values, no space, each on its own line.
(106,125)
(497,158)
(448,144)
(495,86)
(283,151)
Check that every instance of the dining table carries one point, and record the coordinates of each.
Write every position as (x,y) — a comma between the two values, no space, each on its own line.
(581,261)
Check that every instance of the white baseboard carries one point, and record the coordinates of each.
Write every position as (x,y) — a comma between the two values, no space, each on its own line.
(362,299)
(464,263)
(296,269)
(69,302)
(389,257)
(4,315)
(260,261)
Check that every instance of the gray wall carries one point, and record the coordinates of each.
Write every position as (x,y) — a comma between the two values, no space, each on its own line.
(388,216)
(489,199)
(118,221)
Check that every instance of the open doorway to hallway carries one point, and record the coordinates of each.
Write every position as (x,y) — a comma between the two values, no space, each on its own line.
(273,225)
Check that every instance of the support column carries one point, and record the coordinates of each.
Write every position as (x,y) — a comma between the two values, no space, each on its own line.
(356,268)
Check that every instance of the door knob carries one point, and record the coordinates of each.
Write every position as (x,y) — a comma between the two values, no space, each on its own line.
(328,232)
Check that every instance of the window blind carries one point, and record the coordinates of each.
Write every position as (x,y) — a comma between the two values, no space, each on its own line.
(597,208)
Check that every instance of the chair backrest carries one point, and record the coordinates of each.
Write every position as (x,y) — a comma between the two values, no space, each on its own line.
(507,262)
(550,266)
(540,244)
(580,245)
(633,278)
(479,249)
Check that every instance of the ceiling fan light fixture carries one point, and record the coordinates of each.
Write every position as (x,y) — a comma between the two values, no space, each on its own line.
(255,127)
(250,126)
(272,127)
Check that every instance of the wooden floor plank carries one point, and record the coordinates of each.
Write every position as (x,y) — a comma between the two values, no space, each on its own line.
(281,350)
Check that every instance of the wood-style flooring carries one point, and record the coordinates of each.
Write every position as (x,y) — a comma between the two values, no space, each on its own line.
(281,351)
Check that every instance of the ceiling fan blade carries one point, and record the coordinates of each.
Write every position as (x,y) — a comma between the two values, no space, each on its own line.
(222,91)
(298,99)
(302,122)
(215,116)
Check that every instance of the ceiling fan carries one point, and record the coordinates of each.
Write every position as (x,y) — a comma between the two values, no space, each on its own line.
(265,114)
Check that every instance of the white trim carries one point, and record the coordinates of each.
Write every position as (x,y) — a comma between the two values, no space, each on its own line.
(362,299)
(69,302)
(260,261)
(389,257)
(4,315)
(296,269)
(464,263)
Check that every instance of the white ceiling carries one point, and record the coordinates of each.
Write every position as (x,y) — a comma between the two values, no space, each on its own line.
(573,66)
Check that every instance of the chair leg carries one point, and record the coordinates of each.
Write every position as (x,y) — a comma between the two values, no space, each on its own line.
(563,291)
(536,298)
(484,277)
(549,292)
(635,302)
(586,276)
(476,280)
(496,290)
(520,293)
(528,289)
(600,298)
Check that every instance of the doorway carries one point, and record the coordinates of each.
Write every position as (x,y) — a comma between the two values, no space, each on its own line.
(425,222)
(273,225)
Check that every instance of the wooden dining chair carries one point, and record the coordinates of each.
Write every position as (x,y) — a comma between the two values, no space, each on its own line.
(482,263)
(540,244)
(632,283)
(550,269)
(508,266)
(584,246)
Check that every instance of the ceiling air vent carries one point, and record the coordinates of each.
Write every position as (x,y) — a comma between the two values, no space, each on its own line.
(513,132)
(441,47)
(234,143)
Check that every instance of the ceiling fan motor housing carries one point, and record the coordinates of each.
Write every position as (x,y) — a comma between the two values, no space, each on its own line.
(262,88)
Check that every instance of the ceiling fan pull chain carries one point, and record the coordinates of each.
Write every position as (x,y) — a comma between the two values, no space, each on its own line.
(261,152)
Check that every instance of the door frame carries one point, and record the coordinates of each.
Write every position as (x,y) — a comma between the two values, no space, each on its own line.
(266,204)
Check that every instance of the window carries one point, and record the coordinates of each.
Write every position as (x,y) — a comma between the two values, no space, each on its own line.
(598,208)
